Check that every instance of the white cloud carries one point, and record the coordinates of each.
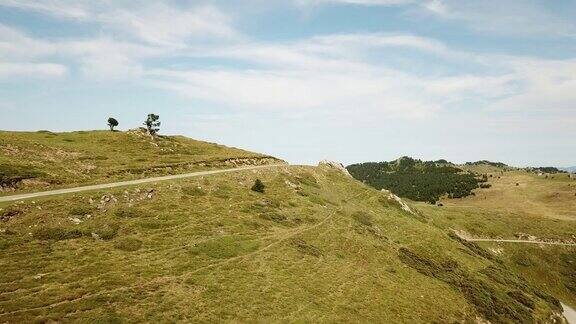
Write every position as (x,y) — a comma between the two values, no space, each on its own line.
(98,58)
(158,23)
(323,73)
(152,22)
(31,70)
(355,2)
(510,17)
(547,86)
(60,8)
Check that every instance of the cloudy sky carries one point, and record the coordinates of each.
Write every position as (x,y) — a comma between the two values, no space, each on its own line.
(347,80)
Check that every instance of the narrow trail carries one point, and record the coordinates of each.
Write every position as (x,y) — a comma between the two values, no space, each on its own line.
(464,237)
(174,278)
(163,280)
(132,182)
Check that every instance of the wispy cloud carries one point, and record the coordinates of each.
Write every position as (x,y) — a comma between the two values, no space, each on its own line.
(152,22)
(204,54)
(31,70)
(511,17)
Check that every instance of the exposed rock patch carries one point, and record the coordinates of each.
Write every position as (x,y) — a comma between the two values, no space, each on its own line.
(399,200)
(335,165)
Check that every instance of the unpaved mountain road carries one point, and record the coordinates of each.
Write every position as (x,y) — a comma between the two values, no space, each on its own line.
(570,314)
(472,239)
(132,182)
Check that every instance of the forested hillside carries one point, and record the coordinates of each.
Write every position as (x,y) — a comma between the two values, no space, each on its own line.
(416,179)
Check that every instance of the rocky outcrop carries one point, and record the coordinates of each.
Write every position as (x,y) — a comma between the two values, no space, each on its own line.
(399,200)
(334,165)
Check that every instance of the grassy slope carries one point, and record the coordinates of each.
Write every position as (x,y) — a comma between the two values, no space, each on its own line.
(545,208)
(68,159)
(317,246)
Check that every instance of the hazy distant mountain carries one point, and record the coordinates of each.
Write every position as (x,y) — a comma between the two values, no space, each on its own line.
(569,169)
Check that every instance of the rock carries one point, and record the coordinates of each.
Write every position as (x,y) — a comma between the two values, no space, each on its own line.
(335,165)
(75,220)
(95,236)
(403,205)
(292,185)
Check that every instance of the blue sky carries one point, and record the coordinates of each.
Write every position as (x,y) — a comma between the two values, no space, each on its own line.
(304,80)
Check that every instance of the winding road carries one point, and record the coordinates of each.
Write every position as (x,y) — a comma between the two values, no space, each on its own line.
(131,182)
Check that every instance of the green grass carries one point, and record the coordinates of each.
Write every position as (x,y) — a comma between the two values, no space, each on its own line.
(41,160)
(315,247)
(538,206)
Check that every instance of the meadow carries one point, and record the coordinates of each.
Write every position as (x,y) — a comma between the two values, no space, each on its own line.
(521,204)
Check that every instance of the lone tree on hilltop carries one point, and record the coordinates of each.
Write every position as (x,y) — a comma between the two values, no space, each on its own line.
(152,124)
(258,186)
(112,122)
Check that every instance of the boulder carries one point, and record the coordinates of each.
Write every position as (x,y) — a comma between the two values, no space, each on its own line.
(334,165)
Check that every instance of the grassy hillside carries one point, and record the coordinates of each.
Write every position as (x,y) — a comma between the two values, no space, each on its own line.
(40,160)
(521,204)
(316,246)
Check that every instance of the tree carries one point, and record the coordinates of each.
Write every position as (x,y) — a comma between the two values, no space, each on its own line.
(112,122)
(152,124)
(258,186)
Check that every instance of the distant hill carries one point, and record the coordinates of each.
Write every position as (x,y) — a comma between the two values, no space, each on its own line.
(486,162)
(416,179)
(569,169)
(551,170)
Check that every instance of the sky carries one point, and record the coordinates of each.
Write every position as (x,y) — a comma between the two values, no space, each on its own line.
(303,80)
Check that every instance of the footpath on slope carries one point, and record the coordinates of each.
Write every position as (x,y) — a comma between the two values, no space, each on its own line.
(131,182)
(466,237)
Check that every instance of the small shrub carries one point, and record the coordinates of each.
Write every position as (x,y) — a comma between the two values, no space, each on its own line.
(11,175)
(363,218)
(278,218)
(9,213)
(128,212)
(80,210)
(128,244)
(193,191)
(522,298)
(107,232)
(306,248)
(5,244)
(522,259)
(56,234)
(258,186)
(308,179)
(43,131)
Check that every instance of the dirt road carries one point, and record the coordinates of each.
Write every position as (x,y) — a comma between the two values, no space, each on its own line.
(131,182)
